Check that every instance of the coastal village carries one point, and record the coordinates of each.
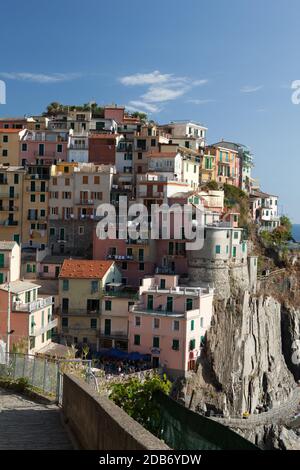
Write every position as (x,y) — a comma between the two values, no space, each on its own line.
(141,300)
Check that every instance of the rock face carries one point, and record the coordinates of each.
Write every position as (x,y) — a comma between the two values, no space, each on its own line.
(243,360)
(290,323)
(244,349)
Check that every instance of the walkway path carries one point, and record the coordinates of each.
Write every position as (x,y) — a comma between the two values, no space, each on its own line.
(278,415)
(25,424)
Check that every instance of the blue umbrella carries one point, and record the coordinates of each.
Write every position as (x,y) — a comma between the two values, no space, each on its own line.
(134,356)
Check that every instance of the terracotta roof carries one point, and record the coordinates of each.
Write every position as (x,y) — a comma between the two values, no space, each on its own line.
(161,154)
(103,136)
(84,269)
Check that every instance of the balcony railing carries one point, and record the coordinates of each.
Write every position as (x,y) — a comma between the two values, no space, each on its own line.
(44,329)
(32,306)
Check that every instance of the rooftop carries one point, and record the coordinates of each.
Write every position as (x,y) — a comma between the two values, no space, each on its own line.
(7,245)
(84,269)
(16,287)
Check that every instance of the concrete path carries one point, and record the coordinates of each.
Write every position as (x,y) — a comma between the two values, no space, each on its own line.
(279,415)
(25,424)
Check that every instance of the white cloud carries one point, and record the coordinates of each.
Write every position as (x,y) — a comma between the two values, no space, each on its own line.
(145,78)
(39,77)
(152,108)
(161,87)
(250,89)
(196,101)
(159,94)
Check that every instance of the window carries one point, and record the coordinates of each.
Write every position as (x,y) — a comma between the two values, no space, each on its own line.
(59,148)
(189,304)
(192,344)
(94,323)
(96,179)
(156,323)
(137,321)
(54,181)
(153,142)
(5,138)
(94,286)
(46,269)
(16,178)
(218,249)
(175,344)
(42,197)
(236,235)
(201,322)
(52,231)
(85,180)
(141,266)
(81,230)
(64,322)
(162,283)
(155,342)
(67,181)
(176,325)
(137,340)
(4,153)
(65,284)
(32,197)
(108,305)
(124,265)
(140,156)
(192,325)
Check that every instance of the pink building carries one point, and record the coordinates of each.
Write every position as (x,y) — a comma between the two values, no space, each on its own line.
(169,323)
(134,258)
(47,147)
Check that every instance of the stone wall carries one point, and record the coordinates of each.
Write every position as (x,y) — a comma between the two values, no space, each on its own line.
(98,424)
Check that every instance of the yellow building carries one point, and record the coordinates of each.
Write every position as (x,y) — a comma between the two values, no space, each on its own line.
(35,206)
(208,166)
(81,286)
(11,202)
(10,145)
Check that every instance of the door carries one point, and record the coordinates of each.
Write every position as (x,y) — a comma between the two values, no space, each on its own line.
(169,304)
(155,362)
(107,327)
(150,302)
(41,150)
(234,252)
(65,305)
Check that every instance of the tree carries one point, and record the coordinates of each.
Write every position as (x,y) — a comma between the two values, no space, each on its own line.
(142,116)
(213,185)
(135,397)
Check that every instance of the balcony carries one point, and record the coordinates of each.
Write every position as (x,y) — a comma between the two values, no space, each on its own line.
(121,293)
(9,223)
(39,331)
(120,257)
(113,335)
(32,306)
(9,195)
(85,202)
(8,208)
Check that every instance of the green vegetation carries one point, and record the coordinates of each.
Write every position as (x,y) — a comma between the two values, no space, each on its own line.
(142,116)
(135,397)
(236,199)
(55,108)
(213,185)
(279,235)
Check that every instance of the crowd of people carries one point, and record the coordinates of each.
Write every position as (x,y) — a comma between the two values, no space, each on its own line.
(118,367)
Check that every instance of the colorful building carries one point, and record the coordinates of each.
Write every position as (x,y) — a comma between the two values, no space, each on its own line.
(81,287)
(170,322)
(31,319)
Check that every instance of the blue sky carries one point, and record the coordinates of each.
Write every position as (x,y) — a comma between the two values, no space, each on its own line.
(227,64)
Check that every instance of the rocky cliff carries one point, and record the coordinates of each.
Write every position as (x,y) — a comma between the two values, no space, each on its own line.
(247,362)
